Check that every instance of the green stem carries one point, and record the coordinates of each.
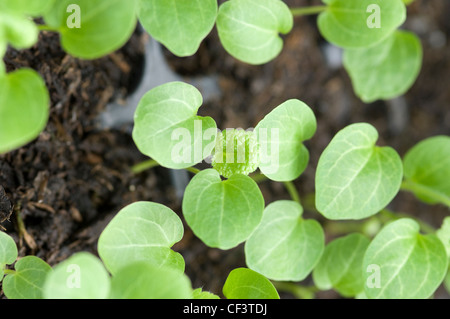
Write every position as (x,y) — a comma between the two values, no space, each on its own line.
(193,170)
(143,166)
(44,27)
(9,271)
(300,292)
(425,191)
(302,11)
(290,187)
(390,215)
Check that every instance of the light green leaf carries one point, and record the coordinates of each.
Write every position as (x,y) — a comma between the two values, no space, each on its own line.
(387,69)
(17,30)
(33,8)
(91,29)
(167,128)
(181,25)
(141,280)
(354,178)
(408,265)
(8,252)
(28,279)
(243,283)
(360,23)
(281,135)
(340,267)
(199,294)
(3,46)
(222,214)
(427,170)
(443,234)
(24,108)
(249,29)
(81,276)
(284,246)
(142,231)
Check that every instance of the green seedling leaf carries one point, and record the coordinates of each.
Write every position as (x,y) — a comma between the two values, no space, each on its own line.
(222,214)
(243,283)
(181,25)
(354,178)
(360,23)
(200,294)
(236,152)
(24,108)
(142,280)
(443,234)
(427,170)
(34,8)
(249,29)
(91,29)
(341,264)
(387,69)
(8,252)
(167,128)
(28,279)
(2,54)
(401,263)
(142,231)
(281,135)
(17,30)
(81,276)
(284,246)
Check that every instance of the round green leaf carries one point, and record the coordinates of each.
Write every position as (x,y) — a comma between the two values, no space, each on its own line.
(81,276)
(24,108)
(181,25)
(28,279)
(91,29)
(142,231)
(33,8)
(8,251)
(427,170)
(222,214)
(243,283)
(141,280)
(281,135)
(167,128)
(409,265)
(387,69)
(284,246)
(354,178)
(341,264)
(19,31)
(360,23)
(249,29)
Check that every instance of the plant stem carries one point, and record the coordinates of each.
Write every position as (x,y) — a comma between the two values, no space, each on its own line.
(300,292)
(426,228)
(302,11)
(143,166)
(9,271)
(44,27)
(290,187)
(193,170)
(425,191)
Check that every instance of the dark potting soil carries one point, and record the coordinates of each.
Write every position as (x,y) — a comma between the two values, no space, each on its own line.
(63,188)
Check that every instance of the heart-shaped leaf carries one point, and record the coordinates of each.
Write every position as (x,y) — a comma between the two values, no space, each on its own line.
(360,23)
(8,252)
(167,128)
(284,246)
(354,178)
(222,214)
(427,170)
(281,135)
(181,25)
(142,231)
(28,280)
(91,29)
(81,276)
(249,29)
(142,280)
(24,108)
(401,263)
(243,283)
(340,267)
(387,69)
